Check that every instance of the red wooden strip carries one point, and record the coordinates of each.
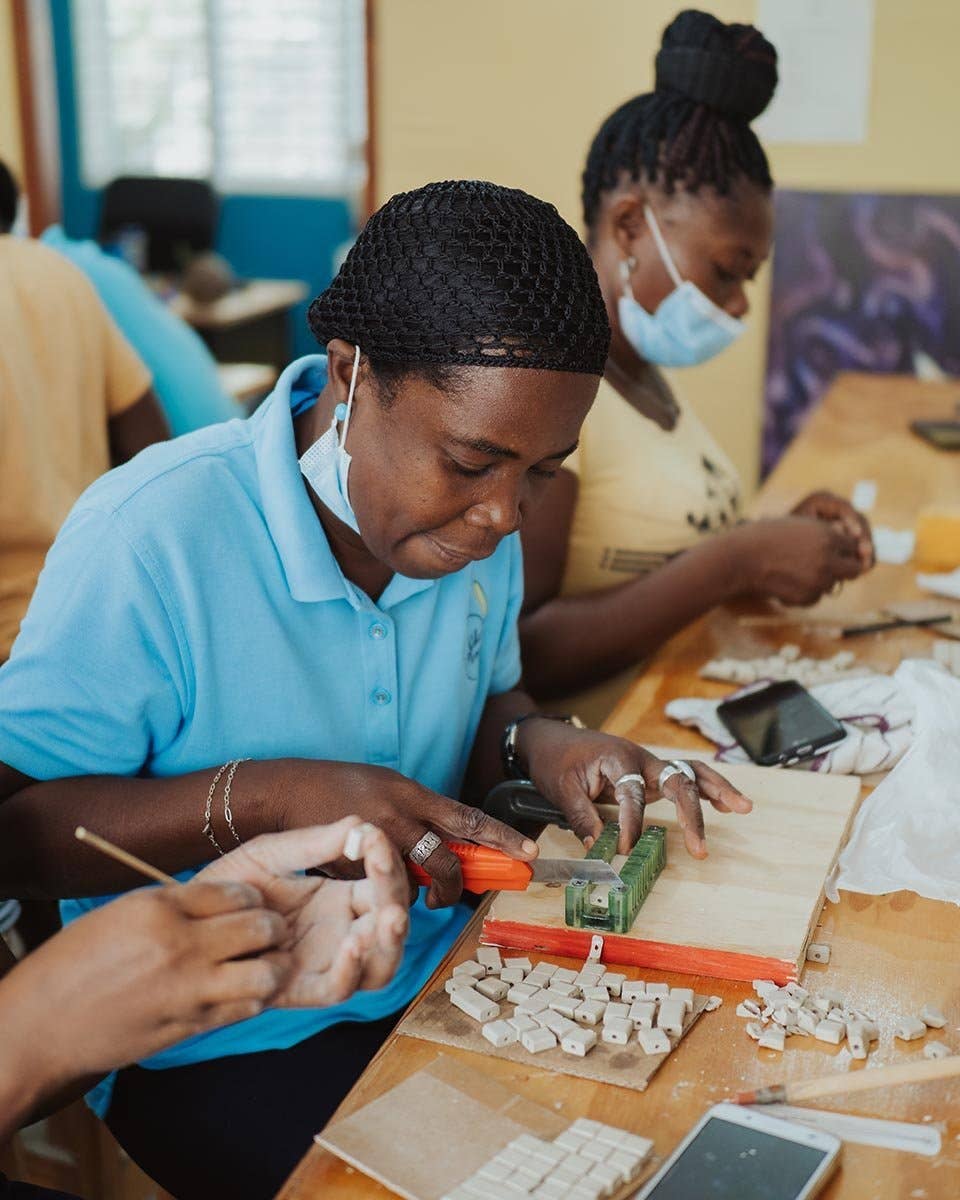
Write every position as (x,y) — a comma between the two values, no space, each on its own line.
(689,960)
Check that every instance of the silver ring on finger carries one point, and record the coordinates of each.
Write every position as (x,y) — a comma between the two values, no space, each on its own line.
(676,766)
(424,848)
(633,777)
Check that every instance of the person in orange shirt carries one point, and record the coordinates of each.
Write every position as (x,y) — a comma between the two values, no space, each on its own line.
(75,400)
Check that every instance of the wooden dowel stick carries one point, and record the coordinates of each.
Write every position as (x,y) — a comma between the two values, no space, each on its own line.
(843,1083)
(122,856)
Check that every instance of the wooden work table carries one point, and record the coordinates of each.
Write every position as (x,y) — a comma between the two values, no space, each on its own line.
(250,323)
(890,954)
(251,300)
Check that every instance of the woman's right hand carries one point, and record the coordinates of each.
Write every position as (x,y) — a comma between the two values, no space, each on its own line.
(402,808)
(794,559)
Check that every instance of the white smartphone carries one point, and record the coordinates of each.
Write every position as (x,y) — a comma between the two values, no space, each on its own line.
(737,1153)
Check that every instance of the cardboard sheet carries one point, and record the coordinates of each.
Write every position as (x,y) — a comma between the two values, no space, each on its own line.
(436,1020)
(463,1119)
(436,1129)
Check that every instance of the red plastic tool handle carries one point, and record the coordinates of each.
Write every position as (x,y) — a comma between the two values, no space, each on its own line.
(484,870)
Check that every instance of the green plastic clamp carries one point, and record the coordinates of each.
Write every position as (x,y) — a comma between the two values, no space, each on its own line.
(614,908)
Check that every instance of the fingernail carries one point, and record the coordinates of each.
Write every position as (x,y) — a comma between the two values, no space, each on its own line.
(588,841)
(529,847)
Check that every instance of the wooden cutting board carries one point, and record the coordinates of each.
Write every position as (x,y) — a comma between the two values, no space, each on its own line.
(746,912)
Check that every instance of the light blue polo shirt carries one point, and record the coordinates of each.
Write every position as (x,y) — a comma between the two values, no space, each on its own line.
(184,372)
(191,612)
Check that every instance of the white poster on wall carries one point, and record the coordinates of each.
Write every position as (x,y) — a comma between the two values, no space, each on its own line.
(825,56)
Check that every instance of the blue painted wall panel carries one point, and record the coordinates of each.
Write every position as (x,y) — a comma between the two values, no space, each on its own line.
(289,237)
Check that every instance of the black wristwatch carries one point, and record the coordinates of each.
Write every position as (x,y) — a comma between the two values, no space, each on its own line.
(508,742)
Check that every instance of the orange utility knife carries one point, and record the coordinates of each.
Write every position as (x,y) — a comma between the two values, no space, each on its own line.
(486,870)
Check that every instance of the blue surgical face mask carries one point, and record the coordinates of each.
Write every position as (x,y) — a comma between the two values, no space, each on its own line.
(326,464)
(687,328)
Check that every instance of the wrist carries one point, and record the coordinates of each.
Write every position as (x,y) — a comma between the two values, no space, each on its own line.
(28,1073)
(526,743)
(308,791)
(537,730)
(740,566)
(261,794)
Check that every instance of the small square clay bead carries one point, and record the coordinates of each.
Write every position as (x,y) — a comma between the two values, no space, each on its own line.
(579,1042)
(617,1031)
(653,1041)
(499,1033)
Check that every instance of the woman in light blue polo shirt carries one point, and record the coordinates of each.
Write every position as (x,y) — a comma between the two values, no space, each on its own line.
(324,600)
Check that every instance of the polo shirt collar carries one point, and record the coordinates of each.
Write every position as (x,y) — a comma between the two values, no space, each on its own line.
(311,571)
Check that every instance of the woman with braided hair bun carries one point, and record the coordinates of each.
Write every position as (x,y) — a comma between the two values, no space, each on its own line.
(323,598)
(641,532)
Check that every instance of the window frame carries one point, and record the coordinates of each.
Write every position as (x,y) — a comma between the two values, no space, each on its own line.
(356,185)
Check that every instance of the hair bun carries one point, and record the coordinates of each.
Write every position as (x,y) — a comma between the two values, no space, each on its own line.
(729,68)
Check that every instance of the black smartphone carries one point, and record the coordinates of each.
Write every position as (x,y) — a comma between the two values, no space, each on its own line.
(780,724)
(945,435)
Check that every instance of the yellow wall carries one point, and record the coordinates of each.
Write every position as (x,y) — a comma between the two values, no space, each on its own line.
(513,91)
(10,148)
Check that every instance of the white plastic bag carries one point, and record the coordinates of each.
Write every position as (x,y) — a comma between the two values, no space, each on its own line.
(875,715)
(906,835)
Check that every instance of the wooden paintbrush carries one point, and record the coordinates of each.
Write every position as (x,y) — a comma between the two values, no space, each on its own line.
(853,1081)
(122,856)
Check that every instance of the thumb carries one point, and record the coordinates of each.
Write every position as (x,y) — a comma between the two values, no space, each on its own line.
(208,896)
(283,853)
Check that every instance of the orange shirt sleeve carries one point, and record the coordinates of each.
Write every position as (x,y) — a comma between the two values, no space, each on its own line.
(126,375)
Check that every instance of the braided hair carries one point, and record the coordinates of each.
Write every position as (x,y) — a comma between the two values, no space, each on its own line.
(9,194)
(466,273)
(693,129)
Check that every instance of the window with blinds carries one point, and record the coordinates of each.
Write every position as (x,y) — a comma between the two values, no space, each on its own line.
(256,96)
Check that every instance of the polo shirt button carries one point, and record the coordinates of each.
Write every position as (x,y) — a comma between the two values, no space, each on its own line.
(377,631)
(381,696)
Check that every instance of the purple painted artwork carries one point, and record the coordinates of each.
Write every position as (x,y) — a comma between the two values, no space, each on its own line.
(860,283)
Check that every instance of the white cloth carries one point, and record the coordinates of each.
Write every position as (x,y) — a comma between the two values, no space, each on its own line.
(942,585)
(907,832)
(873,711)
(893,545)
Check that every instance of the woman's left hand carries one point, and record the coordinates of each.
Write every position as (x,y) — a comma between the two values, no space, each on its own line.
(342,936)
(576,769)
(825,506)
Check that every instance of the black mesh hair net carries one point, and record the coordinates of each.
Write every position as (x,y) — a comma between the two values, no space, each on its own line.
(466,273)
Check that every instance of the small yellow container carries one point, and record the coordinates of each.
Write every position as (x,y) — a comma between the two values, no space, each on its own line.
(938,538)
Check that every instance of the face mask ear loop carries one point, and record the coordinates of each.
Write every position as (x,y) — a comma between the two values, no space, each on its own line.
(353,388)
(665,254)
